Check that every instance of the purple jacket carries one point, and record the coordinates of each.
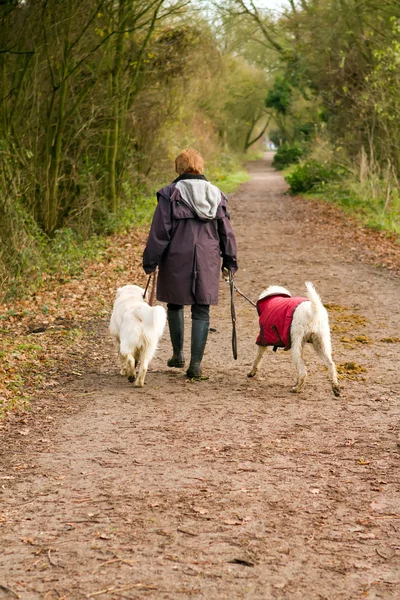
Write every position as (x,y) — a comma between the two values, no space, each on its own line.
(188,250)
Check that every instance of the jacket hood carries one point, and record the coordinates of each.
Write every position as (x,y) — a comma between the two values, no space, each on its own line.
(201,196)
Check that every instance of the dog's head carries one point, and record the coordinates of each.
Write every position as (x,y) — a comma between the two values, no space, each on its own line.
(130,291)
(274,290)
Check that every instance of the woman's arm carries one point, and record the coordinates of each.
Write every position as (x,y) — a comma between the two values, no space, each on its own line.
(227,242)
(159,236)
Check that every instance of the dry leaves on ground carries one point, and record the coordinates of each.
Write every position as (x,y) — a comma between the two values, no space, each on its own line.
(47,333)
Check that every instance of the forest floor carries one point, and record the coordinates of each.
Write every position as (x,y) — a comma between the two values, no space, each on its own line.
(219,489)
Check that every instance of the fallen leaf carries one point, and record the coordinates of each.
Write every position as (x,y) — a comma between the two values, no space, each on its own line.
(366,536)
(232,522)
(104,536)
(241,561)
(199,510)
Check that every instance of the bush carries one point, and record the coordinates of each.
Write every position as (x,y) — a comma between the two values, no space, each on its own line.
(312,174)
(287,155)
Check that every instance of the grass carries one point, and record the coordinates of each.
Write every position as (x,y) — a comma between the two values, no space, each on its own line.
(229,183)
(371,212)
(367,192)
(368,202)
(254,154)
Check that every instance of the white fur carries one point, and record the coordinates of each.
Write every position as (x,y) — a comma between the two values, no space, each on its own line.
(310,323)
(136,329)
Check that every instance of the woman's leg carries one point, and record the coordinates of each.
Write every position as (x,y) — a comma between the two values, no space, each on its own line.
(175,315)
(200,327)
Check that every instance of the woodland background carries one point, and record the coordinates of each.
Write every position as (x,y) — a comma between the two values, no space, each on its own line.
(98,97)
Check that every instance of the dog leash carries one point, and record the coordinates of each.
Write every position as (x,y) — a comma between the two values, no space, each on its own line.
(234,289)
(233,316)
(243,295)
(153,287)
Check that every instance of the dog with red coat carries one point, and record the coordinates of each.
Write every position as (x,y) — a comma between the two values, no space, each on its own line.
(289,322)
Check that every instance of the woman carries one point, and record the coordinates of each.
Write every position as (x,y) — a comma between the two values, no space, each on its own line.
(189,234)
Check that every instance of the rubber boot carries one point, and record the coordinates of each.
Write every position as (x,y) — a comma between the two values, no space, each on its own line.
(198,343)
(176,330)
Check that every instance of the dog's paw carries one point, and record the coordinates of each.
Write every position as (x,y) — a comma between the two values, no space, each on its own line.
(336,390)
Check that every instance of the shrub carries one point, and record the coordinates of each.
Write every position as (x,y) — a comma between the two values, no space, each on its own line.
(286,155)
(312,174)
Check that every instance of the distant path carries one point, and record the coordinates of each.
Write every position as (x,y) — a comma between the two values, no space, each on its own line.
(229,488)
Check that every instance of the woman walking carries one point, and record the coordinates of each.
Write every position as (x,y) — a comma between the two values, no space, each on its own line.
(189,235)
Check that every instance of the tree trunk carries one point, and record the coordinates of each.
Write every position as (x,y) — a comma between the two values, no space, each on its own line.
(250,142)
(115,125)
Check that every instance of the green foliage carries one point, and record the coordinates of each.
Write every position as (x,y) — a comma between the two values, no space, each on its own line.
(279,96)
(66,251)
(350,60)
(137,213)
(312,174)
(229,182)
(287,155)
(368,201)
(305,131)
(277,137)
(338,79)
(95,106)
(21,242)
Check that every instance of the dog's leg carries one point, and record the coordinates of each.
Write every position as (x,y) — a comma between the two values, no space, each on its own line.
(124,364)
(297,358)
(131,365)
(260,354)
(324,353)
(142,370)
(121,357)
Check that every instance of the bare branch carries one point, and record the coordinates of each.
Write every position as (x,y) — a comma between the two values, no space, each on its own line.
(86,27)
(255,15)
(7,51)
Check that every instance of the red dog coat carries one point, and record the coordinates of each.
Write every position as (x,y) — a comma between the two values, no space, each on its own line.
(276,314)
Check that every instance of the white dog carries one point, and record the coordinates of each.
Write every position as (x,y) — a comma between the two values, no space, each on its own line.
(290,323)
(136,329)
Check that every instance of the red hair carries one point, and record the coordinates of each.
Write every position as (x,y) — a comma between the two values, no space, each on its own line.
(189,161)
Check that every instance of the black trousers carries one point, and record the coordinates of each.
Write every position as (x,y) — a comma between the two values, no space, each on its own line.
(200,312)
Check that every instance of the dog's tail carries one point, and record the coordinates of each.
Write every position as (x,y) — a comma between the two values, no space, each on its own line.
(153,318)
(315,300)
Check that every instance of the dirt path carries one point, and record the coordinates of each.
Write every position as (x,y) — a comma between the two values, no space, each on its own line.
(227,488)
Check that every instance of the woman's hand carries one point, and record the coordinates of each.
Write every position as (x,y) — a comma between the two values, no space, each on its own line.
(226,273)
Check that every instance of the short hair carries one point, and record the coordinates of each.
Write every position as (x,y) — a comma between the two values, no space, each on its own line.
(189,161)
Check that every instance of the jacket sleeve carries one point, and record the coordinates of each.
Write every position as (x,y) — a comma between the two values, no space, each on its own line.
(227,242)
(159,236)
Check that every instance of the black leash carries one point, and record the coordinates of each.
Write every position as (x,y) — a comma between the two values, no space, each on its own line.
(153,287)
(244,295)
(233,315)
(234,289)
